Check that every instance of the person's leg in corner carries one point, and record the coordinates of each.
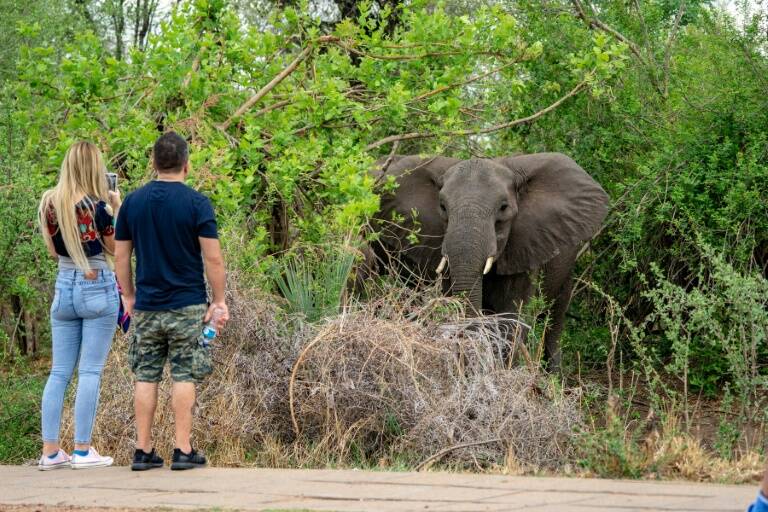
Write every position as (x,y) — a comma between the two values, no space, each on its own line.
(147,354)
(145,404)
(183,400)
(190,364)
(96,302)
(66,330)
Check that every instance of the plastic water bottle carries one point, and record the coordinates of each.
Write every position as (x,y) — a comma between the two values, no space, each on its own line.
(209,330)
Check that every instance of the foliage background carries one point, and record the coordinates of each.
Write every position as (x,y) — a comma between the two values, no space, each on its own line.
(666,105)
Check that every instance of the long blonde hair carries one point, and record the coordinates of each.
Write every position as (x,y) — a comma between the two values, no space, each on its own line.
(82,176)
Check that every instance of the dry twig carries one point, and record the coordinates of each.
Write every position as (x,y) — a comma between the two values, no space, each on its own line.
(479,131)
(426,463)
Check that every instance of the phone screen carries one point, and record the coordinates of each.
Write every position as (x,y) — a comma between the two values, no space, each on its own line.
(112,180)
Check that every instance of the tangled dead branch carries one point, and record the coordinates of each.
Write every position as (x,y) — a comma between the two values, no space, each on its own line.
(368,381)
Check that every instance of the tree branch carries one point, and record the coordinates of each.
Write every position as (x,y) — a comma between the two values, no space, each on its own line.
(573,92)
(593,22)
(420,56)
(195,67)
(250,102)
(428,461)
(265,90)
(425,135)
(270,108)
(465,82)
(596,23)
(387,163)
(668,46)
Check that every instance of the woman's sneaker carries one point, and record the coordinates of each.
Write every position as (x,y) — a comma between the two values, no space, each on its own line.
(92,460)
(189,460)
(143,461)
(61,460)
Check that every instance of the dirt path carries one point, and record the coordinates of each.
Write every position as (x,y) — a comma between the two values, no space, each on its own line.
(346,491)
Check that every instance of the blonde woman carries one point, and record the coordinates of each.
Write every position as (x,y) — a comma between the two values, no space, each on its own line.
(76,220)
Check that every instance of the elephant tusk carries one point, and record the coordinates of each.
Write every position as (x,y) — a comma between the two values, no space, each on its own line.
(488,264)
(441,266)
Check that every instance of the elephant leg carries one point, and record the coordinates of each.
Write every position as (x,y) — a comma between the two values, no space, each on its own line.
(557,286)
(507,294)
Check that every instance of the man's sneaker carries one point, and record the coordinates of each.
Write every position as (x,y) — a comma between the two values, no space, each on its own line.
(189,460)
(92,460)
(61,460)
(143,461)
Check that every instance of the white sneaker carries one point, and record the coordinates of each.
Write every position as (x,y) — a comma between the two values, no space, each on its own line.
(61,460)
(92,460)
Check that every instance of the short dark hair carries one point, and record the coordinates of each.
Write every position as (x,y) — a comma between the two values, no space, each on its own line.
(170,152)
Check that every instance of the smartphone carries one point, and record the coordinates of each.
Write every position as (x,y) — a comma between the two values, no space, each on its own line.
(112,180)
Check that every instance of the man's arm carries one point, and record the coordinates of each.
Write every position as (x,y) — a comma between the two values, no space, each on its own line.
(123,251)
(214,271)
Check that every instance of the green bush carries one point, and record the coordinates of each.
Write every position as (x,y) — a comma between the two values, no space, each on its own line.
(717,327)
(20,392)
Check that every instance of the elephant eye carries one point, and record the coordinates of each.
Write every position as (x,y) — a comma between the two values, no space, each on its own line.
(442,206)
(503,207)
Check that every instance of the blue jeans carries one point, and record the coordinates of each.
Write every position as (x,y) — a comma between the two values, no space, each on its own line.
(83,322)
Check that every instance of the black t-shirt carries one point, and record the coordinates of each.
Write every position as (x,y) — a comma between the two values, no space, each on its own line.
(164,220)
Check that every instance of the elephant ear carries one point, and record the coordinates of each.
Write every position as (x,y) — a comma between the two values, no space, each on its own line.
(415,206)
(559,206)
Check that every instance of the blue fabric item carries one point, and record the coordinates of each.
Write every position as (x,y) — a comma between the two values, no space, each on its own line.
(165,220)
(83,316)
(81,453)
(760,504)
(123,318)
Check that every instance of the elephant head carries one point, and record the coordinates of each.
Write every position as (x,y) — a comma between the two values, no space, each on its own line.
(505,215)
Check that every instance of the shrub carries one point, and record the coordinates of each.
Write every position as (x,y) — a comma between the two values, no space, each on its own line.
(362,387)
(716,328)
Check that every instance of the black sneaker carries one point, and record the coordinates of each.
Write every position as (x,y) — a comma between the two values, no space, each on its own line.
(143,461)
(189,460)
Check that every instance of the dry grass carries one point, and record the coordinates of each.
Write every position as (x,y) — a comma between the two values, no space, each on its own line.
(403,380)
(370,379)
(239,405)
(658,448)
(402,375)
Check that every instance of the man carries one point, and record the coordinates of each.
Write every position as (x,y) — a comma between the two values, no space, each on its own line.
(173,230)
(761,503)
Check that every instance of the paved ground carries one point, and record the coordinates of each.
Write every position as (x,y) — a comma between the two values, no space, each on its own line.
(330,490)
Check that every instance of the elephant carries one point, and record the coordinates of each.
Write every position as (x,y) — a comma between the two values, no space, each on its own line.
(487,226)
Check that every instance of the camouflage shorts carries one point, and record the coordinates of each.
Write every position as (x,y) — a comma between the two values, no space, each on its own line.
(173,334)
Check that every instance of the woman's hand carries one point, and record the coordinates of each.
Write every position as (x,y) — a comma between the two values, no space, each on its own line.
(114,199)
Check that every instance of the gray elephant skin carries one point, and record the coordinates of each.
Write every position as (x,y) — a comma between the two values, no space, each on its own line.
(487,226)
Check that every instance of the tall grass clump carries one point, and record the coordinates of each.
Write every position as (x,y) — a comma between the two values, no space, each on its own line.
(314,284)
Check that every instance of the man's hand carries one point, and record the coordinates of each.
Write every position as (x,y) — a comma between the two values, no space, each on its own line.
(128,303)
(223,313)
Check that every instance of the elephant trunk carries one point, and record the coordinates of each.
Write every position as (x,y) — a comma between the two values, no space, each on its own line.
(468,243)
